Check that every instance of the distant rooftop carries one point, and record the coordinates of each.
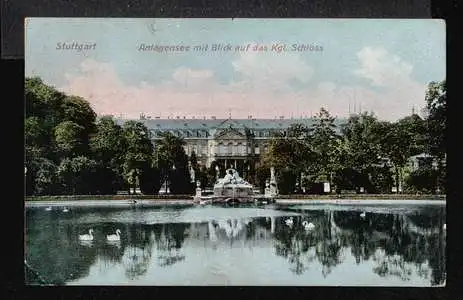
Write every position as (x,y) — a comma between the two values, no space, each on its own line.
(194,124)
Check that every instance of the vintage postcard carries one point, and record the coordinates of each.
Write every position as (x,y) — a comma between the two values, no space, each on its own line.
(235,152)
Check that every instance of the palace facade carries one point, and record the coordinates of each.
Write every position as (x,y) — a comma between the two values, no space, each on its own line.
(229,142)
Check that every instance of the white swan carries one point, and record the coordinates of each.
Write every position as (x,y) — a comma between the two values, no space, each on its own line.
(48,208)
(114,237)
(289,221)
(87,237)
(308,226)
(65,209)
(363,215)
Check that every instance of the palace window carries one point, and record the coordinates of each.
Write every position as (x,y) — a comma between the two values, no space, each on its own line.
(230,149)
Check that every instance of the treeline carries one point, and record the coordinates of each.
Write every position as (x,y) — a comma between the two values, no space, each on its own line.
(365,153)
(69,151)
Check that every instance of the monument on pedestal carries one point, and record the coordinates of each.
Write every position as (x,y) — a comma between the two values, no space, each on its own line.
(192,172)
(198,188)
(217,173)
(273,182)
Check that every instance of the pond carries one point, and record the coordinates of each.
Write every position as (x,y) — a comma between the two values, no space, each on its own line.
(344,245)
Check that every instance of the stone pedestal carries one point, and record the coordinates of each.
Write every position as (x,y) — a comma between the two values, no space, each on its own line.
(198,188)
(273,183)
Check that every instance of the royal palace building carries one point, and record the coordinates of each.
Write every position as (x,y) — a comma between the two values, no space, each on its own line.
(229,142)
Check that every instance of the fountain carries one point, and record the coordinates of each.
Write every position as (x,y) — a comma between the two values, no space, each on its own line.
(232,189)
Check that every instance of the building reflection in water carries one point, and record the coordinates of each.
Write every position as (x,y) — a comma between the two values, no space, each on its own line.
(397,245)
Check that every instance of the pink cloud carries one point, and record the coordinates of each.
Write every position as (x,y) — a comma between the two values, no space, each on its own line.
(264,92)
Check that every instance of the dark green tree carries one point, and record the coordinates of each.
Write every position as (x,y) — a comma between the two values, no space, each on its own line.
(138,160)
(324,142)
(422,180)
(44,102)
(360,147)
(78,110)
(290,155)
(77,175)
(436,108)
(70,139)
(401,140)
(172,162)
(108,147)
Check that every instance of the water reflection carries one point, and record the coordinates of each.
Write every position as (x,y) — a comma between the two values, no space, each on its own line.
(398,244)
(409,247)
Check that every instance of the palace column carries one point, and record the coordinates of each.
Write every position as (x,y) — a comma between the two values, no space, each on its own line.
(272,225)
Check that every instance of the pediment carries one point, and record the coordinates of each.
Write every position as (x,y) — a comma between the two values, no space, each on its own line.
(228,123)
(229,133)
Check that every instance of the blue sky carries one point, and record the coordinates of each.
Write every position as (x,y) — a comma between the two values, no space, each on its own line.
(382,65)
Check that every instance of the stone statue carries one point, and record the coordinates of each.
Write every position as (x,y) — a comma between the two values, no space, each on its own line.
(273,189)
(192,174)
(217,172)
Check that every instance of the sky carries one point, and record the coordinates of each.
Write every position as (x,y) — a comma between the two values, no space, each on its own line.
(377,65)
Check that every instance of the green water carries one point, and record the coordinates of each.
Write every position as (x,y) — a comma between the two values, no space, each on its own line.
(214,245)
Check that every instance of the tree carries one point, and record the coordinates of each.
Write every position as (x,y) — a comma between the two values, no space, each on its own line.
(77,175)
(108,147)
(422,180)
(69,139)
(204,178)
(436,108)
(43,101)
(195,166)
(360,147)
(415,128)
(289,154)
(34,132)
(42,177)
(400,140)
(381,179)
(262,174)
(323,142)
(150,180)
(172,162)
(138,159)
(78,110)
